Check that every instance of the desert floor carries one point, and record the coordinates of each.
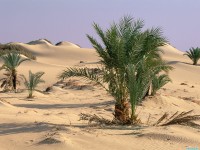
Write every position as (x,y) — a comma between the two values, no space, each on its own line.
(51,121)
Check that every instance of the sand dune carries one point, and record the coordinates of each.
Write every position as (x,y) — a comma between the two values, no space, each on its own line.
(69,54)
(51,120)
(170,53)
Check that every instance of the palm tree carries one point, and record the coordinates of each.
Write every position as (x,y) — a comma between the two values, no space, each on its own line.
(11,62)
(193,54)
(33,81)
(129,58)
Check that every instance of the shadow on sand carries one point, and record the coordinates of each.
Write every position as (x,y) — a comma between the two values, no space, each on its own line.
(16,128)
(176,62)
(59,106)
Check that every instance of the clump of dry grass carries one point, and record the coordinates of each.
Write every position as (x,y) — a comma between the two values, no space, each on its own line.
(49,140)
(73,84)
(96,119)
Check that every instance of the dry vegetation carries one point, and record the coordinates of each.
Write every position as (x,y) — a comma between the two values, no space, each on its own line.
(182,118)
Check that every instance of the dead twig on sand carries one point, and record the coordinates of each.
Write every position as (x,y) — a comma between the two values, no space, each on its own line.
(161,119)
(148,119)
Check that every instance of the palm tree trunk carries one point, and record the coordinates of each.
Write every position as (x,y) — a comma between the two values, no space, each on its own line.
(149,90)
(30,95)
(122,112)
(30,91)
(14,75)
(195,62)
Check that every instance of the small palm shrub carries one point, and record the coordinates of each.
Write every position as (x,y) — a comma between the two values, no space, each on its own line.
(32,82)
(193,54)
(11,62)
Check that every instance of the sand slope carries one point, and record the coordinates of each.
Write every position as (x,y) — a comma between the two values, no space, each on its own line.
(51,121)
(62,55)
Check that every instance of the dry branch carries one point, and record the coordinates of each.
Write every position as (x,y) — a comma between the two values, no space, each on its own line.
(183,118)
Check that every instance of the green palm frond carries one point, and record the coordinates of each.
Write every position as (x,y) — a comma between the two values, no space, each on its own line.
(150,40)
(101,34)
(115,87)
(12,60)
(86,73)
(159,81)
(159,65)
(137,85)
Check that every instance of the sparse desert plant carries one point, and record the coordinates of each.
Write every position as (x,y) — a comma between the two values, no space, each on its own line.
(130,58)
(32,82)
(11,62)
(193,54)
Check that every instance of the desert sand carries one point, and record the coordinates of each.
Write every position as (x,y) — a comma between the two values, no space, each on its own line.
(52,122)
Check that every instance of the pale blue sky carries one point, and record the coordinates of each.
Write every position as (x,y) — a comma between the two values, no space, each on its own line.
(71,20)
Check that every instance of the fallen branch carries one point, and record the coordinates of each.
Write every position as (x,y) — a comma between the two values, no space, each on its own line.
(182,118)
